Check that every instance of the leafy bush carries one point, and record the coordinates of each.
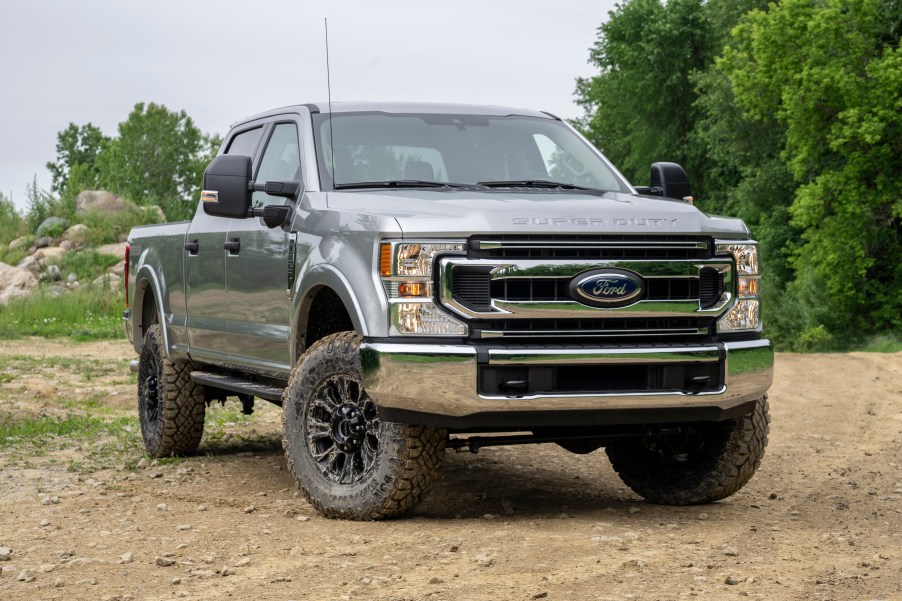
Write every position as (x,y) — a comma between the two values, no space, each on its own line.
(106,228)
(12,225)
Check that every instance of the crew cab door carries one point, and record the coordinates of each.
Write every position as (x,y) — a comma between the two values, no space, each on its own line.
(257,268)
(205,270)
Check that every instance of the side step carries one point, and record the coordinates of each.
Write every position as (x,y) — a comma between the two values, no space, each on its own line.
(239,386)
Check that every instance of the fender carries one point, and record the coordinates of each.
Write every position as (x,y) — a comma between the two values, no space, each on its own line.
(325,275)
(146,274)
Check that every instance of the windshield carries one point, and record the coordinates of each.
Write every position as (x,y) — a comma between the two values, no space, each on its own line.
(375,147)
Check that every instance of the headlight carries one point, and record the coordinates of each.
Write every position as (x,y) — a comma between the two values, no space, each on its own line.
(745,314)
(413,259)
(406,271)
(424,319)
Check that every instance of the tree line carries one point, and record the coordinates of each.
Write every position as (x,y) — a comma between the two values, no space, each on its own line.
(787,114)
(158,158)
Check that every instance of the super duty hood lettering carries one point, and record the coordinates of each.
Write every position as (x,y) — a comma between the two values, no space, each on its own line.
(587,221)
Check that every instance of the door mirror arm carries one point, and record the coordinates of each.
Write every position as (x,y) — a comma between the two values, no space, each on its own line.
(273,215)
(276,188)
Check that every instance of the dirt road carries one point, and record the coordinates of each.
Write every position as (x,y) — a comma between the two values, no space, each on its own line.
(84,518)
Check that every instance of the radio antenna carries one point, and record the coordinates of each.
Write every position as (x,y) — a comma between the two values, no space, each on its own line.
(329,89)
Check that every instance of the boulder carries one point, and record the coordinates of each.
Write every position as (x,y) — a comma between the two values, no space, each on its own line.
(107,280)
(18,243)
(117,269)
(116,250)
(52,226)
(52,273)
(101,201)
(31,264)
(15,282)
(66,245)
(77,234)
(43,242)
(52,254)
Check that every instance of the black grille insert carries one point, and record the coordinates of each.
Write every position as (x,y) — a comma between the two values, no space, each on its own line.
(609,326)
(540,246)
(470,287)
(710,286)
(599,379)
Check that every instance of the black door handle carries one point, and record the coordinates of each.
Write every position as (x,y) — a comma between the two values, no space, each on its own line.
(233,246)
(192,246)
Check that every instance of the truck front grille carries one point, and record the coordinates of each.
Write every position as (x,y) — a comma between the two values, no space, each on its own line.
(519,287)
(474,288)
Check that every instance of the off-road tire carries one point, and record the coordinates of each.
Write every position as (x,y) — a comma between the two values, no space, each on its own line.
(399,462)
(171,406)
(730,453)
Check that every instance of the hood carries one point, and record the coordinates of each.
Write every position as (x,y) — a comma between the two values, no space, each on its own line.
(462,213)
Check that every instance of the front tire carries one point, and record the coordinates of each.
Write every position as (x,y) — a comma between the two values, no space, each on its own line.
(348,462)
(702,463)
(171,406)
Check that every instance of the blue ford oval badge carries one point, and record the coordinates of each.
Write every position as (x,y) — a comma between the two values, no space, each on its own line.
(607,287)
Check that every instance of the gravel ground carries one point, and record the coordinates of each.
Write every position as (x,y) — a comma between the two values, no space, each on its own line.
(84,516)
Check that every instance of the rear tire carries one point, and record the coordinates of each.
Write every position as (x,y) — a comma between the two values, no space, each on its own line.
(171,406)
(706,463)
(348,462)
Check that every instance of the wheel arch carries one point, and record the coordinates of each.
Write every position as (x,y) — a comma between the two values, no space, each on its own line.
(147,309)
(324,285)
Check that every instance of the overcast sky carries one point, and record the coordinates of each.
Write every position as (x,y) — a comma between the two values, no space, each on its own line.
(85,61)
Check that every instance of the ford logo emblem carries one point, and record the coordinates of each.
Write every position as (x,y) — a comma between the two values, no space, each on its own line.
(607,287)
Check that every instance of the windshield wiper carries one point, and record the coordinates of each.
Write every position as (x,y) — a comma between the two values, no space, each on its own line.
(533,183)
(398,183)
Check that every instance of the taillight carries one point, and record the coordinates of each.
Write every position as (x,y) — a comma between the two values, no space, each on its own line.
(128,249)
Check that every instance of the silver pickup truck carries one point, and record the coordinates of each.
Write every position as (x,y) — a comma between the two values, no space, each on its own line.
(406,278)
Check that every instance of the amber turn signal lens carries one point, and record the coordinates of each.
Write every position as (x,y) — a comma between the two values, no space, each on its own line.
(385,260)
(748,287)
(412,289)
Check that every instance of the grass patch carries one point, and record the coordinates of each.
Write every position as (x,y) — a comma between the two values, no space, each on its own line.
(883,343)
(46,431)
(101,443)
(86,313)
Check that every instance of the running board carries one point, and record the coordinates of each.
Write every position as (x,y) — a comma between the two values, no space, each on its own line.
(272,394)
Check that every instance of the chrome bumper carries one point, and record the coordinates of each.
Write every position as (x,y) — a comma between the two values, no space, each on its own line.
(441,380)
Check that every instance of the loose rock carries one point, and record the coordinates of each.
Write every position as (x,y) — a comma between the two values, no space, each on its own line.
(164,561)
(731,581)
(126,558)
(26,576)
(5,553)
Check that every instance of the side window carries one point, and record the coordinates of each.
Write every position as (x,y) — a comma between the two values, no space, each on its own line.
(281,162)
(245,142)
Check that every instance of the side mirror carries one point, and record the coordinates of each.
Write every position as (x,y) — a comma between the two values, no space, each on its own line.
(226,180)
(671,181)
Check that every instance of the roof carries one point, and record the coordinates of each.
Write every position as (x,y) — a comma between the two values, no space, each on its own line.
(403,107)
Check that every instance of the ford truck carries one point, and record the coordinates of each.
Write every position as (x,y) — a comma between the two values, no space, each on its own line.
(404,279)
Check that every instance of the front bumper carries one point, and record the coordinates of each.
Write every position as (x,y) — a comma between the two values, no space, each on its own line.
(437,384)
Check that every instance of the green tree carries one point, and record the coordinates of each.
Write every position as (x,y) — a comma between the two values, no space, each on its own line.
(640,108)
(830,72)
(76,149)
(158,158)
